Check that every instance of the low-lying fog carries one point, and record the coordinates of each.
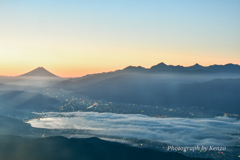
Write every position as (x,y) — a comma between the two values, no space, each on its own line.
(219,131)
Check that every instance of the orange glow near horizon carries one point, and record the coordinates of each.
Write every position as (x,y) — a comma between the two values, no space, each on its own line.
(76,38)
(67,70)
(72,61)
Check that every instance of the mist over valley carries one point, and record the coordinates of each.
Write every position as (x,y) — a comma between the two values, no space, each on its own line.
(151,108)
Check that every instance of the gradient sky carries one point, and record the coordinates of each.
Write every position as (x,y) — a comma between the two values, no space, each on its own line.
(74,38)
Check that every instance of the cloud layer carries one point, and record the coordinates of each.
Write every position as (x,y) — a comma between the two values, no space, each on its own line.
(219,131)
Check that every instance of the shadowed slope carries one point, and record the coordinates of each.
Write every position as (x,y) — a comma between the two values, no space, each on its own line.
(10,126)
(61,148)
(161,69)
(26,100)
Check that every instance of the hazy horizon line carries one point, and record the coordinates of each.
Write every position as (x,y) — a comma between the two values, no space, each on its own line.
(123,69)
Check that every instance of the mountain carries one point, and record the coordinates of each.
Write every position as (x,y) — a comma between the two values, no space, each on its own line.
(135,69)
(60,148)
(162,67)
(195,69)
(39,72)
(215,87)
(26,100)
(219,94)
(10,126)
(195,73)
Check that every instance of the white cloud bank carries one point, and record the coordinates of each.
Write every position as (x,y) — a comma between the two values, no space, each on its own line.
(220,131)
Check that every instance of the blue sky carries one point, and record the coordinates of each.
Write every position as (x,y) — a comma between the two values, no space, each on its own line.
(95,36)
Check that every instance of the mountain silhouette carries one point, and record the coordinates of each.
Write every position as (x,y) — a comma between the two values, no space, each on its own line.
(162,67)
(39,72)
(211,87)
(216,71)
(195,69)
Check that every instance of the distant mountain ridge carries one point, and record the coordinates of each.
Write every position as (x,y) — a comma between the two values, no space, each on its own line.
(214,87)
(39,72)
(159,68)
(162,67)
(78,82)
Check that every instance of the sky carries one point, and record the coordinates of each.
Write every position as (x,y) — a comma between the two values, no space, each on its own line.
(74,38)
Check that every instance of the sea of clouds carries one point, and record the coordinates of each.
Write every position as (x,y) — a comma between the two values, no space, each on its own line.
(219,131)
